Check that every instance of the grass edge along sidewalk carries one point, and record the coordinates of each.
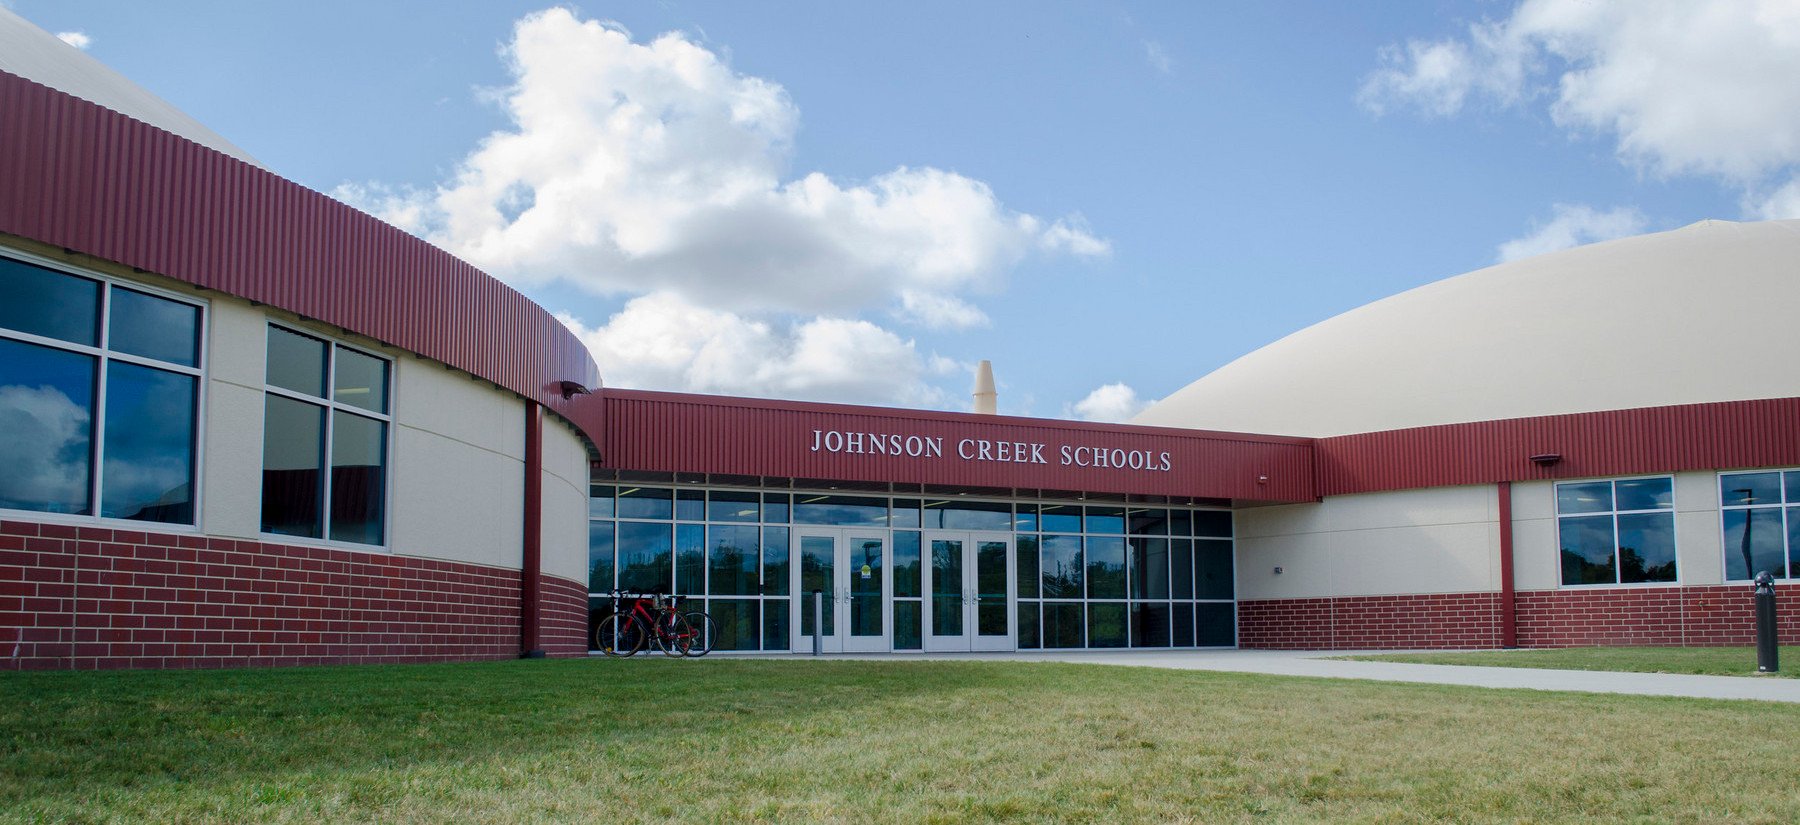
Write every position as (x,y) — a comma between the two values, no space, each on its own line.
(798,740)
(1705,661)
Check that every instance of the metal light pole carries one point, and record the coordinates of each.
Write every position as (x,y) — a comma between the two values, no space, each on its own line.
(1767,653)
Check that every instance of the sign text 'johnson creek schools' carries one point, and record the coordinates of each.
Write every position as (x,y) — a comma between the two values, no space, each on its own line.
(983,449)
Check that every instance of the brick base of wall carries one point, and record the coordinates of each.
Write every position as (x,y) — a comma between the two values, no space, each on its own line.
(1438,620)
(1663,616)
(91,597)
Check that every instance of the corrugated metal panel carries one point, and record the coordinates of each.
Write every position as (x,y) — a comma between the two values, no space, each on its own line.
(664,432)
(90,180)
(1650,440)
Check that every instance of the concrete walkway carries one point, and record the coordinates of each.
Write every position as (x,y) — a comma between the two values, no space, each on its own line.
(1319,664)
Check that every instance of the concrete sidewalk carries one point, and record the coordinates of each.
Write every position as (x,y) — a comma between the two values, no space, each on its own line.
(1319,664)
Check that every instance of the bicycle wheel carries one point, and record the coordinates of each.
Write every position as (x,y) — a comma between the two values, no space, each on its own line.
(673,634)
(619,635)
(706,632)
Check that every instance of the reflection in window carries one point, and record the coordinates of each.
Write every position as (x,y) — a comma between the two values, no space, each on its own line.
(600,557)
(39,301)
(731,559)
(646,556)
(358,478)
(1616,532)
(149,469)
(155,328)
(360,380)
(325,440)
(55,365)
(729,505)
(1761,518)
(775,562)
(1106,567)
(646,502)
(843,511)
(293,467)
(296,362)
(46,412)
(1062,567)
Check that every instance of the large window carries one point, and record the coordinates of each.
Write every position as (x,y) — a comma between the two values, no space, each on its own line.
(99,396)
(1761,518)
(325,437)
(1617,532)
(1087,575)
(1124,576)
(727,550)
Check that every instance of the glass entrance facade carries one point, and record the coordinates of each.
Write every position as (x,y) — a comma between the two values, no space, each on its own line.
(963,573)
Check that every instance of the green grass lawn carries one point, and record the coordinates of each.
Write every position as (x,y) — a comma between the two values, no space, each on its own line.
(793,740)
(1715,661)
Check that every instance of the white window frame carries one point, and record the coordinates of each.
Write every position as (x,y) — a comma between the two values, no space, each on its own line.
(1782,505)
(331,406)
(103,354)
(1618,567)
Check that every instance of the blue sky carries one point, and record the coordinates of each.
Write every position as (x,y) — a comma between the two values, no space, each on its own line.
(856,202)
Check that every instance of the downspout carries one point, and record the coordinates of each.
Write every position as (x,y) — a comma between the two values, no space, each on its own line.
(531,566)
(1509,620)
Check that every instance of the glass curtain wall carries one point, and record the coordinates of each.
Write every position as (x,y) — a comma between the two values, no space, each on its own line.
(1088,576)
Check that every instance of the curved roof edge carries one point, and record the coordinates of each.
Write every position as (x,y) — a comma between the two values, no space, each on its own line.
(100,183)
(42,57)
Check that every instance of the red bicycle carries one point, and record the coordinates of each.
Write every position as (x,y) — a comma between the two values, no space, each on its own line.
(633,625)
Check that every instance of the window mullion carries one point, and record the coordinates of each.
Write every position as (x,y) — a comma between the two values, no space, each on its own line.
(325,449)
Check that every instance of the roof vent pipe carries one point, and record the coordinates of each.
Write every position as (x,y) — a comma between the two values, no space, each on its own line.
(985,397)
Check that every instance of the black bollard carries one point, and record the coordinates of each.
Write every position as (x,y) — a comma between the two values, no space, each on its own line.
(1767,654)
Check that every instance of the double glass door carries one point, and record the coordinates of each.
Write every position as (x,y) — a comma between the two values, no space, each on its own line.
(850,569)
(969,591)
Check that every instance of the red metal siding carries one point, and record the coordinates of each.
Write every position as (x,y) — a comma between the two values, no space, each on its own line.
(96,182)
(700,434)
(1620,442)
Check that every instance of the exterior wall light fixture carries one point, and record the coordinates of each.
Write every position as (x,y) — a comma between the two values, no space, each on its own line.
(1546,459)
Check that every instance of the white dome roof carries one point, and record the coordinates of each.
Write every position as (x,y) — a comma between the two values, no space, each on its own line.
(1710,312)
(39,56)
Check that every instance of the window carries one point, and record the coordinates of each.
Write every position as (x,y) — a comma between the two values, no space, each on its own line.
(1758,511)
(325,440)
(99,397)
(1617,532)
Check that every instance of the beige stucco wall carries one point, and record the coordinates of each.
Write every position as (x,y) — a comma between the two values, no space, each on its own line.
(565,534)
(456,466)
(459,467)
(1438,540)
(231,469)
(1698,559)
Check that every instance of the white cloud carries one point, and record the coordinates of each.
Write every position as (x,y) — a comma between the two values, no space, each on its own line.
(1111,402)
(937,311)
(79,40)
(1158,57)
(1682,86)
(46,448)
(638,167)
(1573,225)
(660,341)
(1782,204)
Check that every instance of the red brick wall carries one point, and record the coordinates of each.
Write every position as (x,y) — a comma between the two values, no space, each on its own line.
(1442,620)
(1691,616)
(93,597)
(564,623)
(1672,616)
